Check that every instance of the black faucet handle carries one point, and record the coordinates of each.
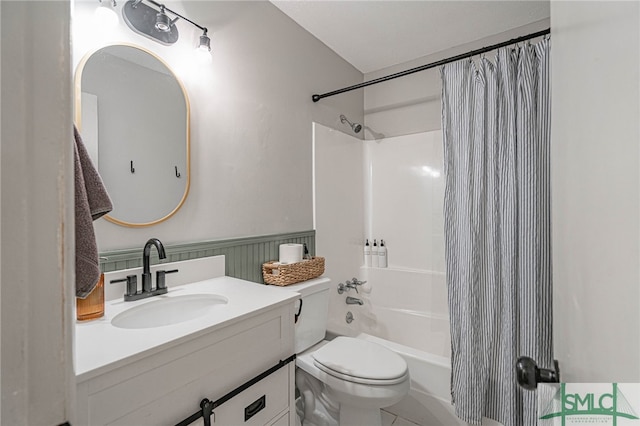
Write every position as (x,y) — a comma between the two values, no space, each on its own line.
(160,278)
(132,284)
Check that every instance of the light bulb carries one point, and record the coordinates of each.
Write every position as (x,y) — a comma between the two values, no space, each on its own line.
(163,23)
(203,56)
(203,51)
(106,15)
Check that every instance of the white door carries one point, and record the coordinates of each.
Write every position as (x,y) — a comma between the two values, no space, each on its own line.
(36,207)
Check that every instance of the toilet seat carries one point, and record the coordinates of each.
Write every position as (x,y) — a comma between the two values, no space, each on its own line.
(360,361)
(348,393)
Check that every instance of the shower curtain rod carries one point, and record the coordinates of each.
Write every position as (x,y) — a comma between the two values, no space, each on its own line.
(480,51)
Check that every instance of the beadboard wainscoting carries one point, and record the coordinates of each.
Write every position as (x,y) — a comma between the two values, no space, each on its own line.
(243,256)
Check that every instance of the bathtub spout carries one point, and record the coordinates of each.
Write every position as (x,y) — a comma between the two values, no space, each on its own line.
(354,301)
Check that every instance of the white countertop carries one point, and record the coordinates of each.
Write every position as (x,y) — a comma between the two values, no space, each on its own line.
(101,347)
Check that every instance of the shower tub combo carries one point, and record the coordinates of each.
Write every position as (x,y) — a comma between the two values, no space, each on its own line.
(416,329)
(406,305)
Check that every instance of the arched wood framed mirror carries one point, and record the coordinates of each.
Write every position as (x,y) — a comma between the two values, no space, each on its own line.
(133,114)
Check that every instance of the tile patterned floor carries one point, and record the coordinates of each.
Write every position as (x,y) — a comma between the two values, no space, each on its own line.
(389,419)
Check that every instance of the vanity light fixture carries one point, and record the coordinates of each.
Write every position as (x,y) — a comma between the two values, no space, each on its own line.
(205,42)
(163,22)
(203,51)
(155,23)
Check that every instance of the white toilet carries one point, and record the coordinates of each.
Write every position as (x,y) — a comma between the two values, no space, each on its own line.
(344,381)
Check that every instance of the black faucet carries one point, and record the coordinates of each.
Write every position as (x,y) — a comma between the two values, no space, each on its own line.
(132,292)
(146,254)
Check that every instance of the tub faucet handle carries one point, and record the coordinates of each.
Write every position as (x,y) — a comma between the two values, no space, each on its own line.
(355,282)
(348,285)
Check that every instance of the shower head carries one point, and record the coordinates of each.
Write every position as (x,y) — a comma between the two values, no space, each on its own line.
(354,126)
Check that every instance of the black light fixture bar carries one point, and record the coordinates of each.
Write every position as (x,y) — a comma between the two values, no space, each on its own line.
(150,19)
(476,52)
(166,9)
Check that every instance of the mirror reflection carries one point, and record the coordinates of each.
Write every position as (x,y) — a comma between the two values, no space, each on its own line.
(133,114)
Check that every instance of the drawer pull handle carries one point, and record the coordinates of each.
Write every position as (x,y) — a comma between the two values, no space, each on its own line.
(255,407)
(207,407)
(207,411)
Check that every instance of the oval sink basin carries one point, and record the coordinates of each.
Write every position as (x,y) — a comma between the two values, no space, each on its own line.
(172,310)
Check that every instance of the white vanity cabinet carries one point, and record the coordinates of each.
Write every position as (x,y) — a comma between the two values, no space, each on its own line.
(164,384)
(265,402)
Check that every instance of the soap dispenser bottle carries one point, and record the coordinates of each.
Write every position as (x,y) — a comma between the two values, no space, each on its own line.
(367,254)
(92,306)
(374,254)
(382,255)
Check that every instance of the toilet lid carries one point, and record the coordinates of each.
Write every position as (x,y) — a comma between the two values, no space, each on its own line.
(360,361)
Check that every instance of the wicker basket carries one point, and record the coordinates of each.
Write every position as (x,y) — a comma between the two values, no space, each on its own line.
(282,275)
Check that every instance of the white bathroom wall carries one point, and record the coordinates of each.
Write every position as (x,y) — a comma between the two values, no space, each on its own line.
(251,115)
(596,189)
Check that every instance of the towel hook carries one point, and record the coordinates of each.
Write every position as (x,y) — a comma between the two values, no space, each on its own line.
(177,174)
(133,170)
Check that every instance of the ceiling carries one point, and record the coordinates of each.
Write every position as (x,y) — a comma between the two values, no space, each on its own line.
(375,34)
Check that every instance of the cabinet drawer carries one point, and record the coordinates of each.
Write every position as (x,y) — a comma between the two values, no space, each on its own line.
(258,404)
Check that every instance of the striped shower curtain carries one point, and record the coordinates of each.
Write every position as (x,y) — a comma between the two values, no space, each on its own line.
(495,120)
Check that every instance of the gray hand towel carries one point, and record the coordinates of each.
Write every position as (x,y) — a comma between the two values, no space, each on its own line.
(91,202)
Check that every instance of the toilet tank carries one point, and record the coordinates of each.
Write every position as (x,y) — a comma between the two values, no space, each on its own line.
(312,322)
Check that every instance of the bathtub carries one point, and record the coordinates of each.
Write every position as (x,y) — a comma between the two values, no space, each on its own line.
(428,401)
(406,311)
(400,305)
